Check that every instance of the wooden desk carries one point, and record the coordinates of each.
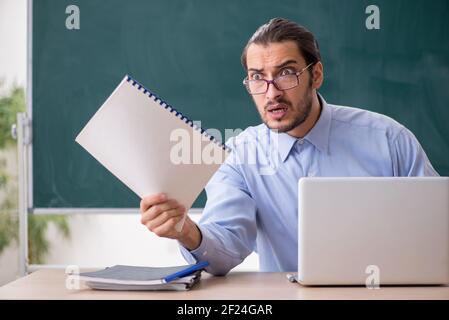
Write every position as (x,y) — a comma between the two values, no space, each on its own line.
(50,284)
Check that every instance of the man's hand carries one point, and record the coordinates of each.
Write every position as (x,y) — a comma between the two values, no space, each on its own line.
(160,215)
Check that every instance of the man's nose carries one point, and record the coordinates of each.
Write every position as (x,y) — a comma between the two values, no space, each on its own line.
(273,92)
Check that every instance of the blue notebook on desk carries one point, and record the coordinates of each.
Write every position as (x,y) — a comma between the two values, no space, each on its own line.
(122,277)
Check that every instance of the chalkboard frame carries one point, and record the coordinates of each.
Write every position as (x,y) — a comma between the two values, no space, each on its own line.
(26,198)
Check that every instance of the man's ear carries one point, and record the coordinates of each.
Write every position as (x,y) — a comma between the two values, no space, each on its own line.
(317,75)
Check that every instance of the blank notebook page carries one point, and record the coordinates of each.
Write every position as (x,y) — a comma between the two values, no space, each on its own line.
(136,136)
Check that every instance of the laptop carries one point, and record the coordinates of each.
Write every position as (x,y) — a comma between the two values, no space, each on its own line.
(373,231)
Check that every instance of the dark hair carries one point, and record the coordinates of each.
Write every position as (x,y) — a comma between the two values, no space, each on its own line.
(279,30)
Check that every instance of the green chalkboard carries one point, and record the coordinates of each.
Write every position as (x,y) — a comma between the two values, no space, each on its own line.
(188,52)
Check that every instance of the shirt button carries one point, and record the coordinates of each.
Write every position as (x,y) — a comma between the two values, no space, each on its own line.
(301,141)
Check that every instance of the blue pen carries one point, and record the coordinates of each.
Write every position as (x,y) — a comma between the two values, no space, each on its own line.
(186,271)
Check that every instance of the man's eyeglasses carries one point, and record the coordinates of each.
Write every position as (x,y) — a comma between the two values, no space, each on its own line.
(284,82)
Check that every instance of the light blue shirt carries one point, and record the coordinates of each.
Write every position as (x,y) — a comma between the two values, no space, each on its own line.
(252,199)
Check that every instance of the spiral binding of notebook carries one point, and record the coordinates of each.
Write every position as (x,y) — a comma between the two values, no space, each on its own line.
(176,113)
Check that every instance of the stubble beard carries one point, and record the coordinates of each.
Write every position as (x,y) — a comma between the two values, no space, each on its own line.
(300,113)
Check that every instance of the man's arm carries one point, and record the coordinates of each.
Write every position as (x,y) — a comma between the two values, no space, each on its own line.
(226,233)
(409,158)
(228,223)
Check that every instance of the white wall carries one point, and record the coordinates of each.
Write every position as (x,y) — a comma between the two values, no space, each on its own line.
(107,239)
(9,259)
(9,264)
(13,15)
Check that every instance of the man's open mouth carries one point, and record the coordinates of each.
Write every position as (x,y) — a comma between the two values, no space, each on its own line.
(277,109)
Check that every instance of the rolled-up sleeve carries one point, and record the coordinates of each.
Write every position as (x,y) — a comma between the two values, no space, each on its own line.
(409,158)
(228,222)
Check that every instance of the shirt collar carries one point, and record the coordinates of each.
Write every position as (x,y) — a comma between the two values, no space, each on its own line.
(318,135)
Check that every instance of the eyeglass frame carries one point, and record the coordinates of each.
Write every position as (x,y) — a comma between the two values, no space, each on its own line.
(297,74)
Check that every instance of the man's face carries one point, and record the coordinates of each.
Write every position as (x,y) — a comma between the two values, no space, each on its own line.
(280,110)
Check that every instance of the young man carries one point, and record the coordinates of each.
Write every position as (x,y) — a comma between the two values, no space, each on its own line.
(248,210)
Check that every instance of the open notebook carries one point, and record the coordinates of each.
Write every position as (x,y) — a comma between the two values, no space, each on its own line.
(150,146)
